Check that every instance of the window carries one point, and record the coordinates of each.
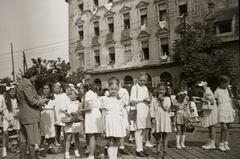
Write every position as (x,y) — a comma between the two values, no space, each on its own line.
(81,59)
(110,25)
(143,13)
(80,32)
(96,28)
(183,9)
(95,3)
(145,50)
(97,58)
(224,27)
(110,1)
(111,55)
(164,47)
(126,18)
(162,15)
(166,77)
(127,53)
(98,82)
(80,6)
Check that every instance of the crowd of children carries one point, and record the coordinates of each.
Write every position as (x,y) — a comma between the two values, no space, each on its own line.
(116,114)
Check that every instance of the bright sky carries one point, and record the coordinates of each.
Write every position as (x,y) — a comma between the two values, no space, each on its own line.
(40,27)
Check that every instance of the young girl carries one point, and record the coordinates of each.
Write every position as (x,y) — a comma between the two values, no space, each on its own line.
(72,128)
(182,113)
(93,122)
(209,116)
(114,124)
(10,115)
(160,117)
(47,122)
(61,101)
(225,111)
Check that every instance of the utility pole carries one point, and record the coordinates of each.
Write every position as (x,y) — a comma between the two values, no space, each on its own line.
(12,63)
(24,63)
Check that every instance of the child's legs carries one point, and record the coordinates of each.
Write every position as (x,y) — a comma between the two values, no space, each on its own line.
(42,141)
(159,136)
(223,132)
(91,144)
(227,132)
(165,141)
(139,139)
(58,133)
(183,129)
(212,132)
(67,142)
(76,137)
(179,129)
(4,140)
(147,134)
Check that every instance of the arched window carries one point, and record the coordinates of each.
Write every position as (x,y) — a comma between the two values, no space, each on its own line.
(128,82)
(149,83)
(98,82)
(167,78)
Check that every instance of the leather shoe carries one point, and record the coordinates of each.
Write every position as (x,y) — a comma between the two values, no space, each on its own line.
(42,153)
(51,151)
(145,153)
(140,154)
(123,152)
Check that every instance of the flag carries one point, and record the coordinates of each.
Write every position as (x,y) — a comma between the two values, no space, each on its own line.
(162,24)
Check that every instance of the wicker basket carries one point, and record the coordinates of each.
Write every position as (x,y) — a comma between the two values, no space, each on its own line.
(66,119)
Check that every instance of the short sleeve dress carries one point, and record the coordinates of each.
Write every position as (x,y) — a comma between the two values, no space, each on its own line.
(210,117)
(225,110)
(93,118)
(73,106)
(115,125)
(143,117)
(47,121)
(159,111)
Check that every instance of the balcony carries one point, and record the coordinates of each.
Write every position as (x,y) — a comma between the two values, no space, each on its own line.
(95,41)
(109,39)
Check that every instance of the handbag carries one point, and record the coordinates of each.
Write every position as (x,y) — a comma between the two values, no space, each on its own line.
(207,106)
(72,118)
(132,114)
(190,128)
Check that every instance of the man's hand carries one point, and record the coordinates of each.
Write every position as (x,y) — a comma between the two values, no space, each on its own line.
(147,100)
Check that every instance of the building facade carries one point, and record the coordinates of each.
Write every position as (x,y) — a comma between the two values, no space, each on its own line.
(125,37)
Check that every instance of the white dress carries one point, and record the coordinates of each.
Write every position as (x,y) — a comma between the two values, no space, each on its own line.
(159,111)
(61,101)
(115,125)
(73,106)
(210,117)
(11,117)
(124,95)
(143,117)
(47,122)
(225,110)
(93,118)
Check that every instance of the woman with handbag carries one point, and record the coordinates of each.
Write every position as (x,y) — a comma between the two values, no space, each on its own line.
(140,97)
(73,127)
(210,113)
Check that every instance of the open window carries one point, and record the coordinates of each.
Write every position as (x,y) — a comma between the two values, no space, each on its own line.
(143,14)
(162,12)
(96,28)
(183,10)
(126,19)
(80,32)
(164,47)
(97,57)
(110,25)
(224,27)
(80,6)
(81,59)
(145,50)
(95,2)
(111,55)
(127,53)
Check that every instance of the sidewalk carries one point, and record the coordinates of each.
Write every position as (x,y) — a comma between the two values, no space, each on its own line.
(194,141)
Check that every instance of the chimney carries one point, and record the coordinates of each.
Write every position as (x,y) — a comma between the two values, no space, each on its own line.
(211,8)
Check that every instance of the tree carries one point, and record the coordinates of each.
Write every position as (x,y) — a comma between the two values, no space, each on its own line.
(206,58)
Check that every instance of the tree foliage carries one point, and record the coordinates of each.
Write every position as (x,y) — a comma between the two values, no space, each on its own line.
(206,58)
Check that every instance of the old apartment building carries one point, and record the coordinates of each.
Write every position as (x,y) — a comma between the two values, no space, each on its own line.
(125,37)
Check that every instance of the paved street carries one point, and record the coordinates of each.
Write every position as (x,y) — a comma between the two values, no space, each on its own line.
(194,141)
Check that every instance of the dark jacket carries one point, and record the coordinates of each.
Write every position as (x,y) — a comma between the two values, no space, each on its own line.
(29,103)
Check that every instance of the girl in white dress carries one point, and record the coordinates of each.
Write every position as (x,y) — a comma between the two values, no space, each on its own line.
(140,96)
(47,122)
(160,116)
(72,128)
(209,116)
(113,115)
(10,115)
(61,100)
(182,115)
(225,111)
(93,119)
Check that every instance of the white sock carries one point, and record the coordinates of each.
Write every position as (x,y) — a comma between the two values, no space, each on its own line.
(121,147)
(76,153)
(66,153)
(110,152)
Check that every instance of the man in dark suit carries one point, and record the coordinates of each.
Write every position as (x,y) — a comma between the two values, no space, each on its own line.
(29,116)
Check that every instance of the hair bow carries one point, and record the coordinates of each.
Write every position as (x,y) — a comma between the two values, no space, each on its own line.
(10,87)
(58,84)
(72,87)
(79,85)
(202,84)
(182,92)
